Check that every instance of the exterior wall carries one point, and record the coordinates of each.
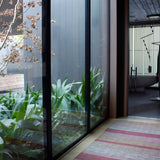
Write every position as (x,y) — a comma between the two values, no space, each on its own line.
(68,40)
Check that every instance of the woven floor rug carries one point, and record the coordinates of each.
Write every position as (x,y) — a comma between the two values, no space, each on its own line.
(126,140)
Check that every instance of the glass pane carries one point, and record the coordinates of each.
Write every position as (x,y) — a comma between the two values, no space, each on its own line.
(68,68)
(21,112)
(99,60)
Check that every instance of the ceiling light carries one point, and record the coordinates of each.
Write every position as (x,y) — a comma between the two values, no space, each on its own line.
(153,16)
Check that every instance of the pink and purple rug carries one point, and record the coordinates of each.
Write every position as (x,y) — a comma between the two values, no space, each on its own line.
(126,140)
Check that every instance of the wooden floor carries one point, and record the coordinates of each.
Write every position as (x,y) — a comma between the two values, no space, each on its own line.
(84,143)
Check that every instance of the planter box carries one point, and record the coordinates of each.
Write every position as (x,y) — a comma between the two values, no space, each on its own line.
(13,81)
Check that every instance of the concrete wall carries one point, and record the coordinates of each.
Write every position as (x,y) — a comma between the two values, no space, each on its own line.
(68,41)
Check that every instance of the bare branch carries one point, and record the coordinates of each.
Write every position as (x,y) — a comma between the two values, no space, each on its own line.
(16,47)
(3,67)
(10,26)
(1,3)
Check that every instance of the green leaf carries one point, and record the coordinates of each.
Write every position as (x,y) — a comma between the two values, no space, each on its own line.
(1,143)
(33,153)
(22,112)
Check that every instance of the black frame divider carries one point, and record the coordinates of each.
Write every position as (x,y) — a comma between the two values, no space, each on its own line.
(87,59)
(46,77)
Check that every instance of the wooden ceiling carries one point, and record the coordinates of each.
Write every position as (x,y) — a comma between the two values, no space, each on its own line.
(139,9)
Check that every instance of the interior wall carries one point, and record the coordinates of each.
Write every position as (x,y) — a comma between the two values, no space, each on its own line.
(137,51)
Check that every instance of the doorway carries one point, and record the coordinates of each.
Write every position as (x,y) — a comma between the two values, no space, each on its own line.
(144,48)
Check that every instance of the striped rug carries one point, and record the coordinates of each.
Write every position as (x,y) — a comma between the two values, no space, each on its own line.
(126,140)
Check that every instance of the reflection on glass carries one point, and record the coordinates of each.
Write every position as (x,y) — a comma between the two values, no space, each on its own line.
(21,112)
(68,67)
(99,61)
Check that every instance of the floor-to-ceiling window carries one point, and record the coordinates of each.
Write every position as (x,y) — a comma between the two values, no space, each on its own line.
(30,116)
(21,111)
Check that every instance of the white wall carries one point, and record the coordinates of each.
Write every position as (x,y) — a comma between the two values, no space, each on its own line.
(140,57)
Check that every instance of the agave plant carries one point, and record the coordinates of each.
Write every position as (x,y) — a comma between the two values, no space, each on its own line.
(21,116)
(78,97)
(64,100)
(63,95)
(21,131)
(96,94)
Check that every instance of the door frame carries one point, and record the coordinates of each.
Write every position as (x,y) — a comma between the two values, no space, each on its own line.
(119,58)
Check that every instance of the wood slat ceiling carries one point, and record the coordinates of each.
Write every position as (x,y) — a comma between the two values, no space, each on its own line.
(139,9)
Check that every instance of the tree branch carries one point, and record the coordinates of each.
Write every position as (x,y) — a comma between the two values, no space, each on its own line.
(4,66)
(10,26)
(1,3)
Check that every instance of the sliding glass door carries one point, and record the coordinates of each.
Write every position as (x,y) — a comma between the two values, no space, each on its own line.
(54,67)
(68,72)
